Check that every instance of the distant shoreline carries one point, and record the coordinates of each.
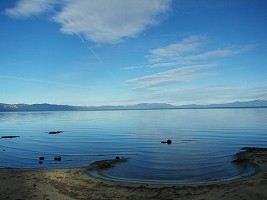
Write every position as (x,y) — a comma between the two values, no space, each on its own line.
(135,109)
(77,184)
(143,106)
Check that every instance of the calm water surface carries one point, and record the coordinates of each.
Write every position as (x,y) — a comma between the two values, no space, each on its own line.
(204,141)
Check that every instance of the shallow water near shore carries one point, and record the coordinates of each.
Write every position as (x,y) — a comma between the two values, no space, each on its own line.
(203,142)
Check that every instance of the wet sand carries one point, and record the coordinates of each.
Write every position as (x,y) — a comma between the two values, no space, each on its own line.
(77,184)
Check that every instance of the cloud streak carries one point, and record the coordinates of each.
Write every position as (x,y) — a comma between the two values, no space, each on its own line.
(218,53)
(90,49)
(170,77)
(190,59)
(189,44)
(100,21)
(188,51)
(43,82)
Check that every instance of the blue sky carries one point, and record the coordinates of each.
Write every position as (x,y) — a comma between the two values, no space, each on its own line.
(121,52)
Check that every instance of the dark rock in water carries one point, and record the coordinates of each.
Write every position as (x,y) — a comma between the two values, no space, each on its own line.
(4,150)
(106,164)
(55,132)
(9,136)
(117,158)
(103,166)
(41,158)
(169,141)
(40,162)
(241,157)
(57,158)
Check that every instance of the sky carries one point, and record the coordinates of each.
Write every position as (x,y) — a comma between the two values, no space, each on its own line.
(124,52)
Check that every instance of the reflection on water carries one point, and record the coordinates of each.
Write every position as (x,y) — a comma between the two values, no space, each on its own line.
(204,141)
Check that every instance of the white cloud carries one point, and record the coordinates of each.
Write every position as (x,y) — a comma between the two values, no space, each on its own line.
(100,21)
(191,49)
(188,51)
(160,64)
(27,8)
(215,54)
(104,21)
(170,77)
(176,50)
(189,44)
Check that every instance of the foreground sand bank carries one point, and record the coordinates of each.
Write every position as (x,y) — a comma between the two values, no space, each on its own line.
(77,184)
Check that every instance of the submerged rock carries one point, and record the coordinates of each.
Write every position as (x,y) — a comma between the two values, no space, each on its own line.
(106,164)
(41,158)
(57,158)
(254,155)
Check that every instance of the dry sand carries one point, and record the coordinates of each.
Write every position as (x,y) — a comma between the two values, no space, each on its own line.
(77,184)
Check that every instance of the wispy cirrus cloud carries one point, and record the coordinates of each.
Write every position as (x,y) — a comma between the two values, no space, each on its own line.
(160,64)
(218,53)
(189,59)
(170,77)
(186,45)
(99,21)
(190,50)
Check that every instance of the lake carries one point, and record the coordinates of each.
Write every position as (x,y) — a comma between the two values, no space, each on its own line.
(203,142)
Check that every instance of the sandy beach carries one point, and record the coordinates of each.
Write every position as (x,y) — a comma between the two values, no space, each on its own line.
(77,184)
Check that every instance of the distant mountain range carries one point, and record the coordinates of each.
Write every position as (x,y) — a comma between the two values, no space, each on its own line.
(142,106)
